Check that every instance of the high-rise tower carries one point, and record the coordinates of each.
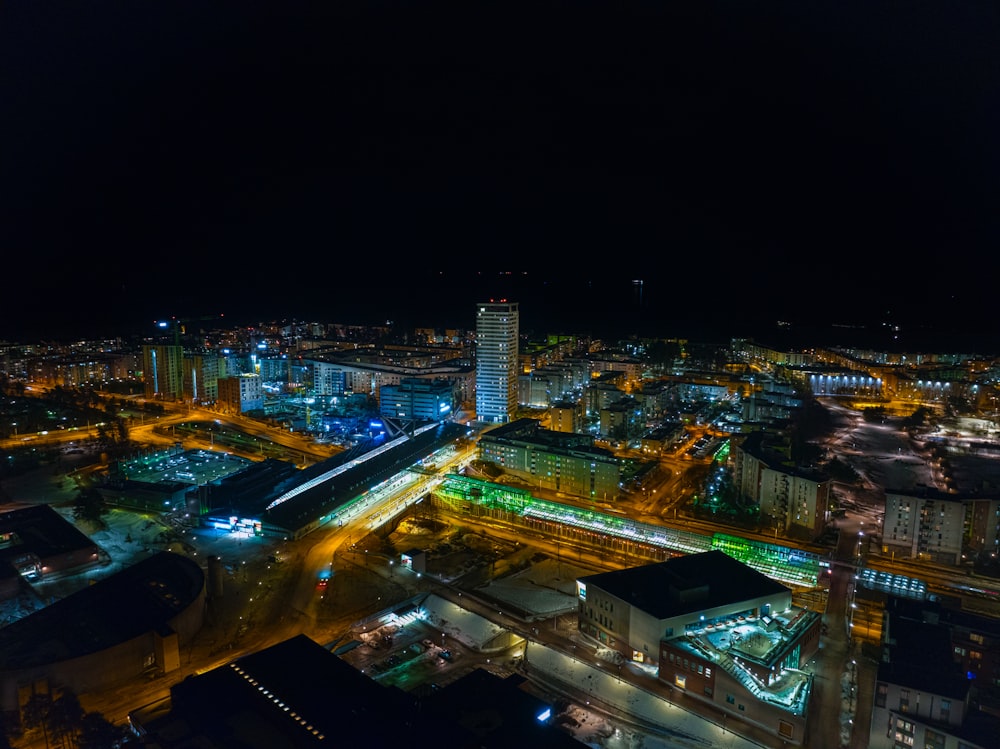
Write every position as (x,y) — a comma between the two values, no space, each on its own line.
(496,361)
(162,371)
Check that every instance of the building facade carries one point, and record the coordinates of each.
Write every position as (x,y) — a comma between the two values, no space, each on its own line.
(791,499)
(201,377)
(163,371)
(715,629)
(560,461)
(930,525)
(497,331)
(415,398)
(565,416)
(924,695)
(242,393)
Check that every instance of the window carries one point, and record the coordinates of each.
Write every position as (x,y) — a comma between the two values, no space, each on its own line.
(977,638)
(730,699)
(904,732)
(933,739)
(881,692)
(904,700)
(960,651)
(946,710)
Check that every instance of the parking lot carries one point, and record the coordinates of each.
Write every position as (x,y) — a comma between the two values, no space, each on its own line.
(194,467)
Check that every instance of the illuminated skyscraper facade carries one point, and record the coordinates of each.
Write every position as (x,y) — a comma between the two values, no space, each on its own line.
(163,371)
(497,328)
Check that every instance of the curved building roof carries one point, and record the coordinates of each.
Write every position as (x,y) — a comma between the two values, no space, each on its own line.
(139,599)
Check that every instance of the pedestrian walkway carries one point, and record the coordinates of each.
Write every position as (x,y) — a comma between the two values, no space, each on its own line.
(660,718)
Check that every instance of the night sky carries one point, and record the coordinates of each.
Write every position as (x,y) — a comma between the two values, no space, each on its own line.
(371,161)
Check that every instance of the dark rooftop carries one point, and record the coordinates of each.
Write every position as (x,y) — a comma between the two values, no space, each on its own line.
(40,530)
(919,656)
(94,619)
(298,694)
(686,584)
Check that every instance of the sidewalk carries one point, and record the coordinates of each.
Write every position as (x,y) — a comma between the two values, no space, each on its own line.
(867,672)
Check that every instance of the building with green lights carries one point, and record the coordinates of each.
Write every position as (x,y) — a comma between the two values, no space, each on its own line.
(715,629)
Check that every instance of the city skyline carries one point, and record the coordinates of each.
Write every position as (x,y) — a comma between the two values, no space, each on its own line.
(815,166)
(611,307)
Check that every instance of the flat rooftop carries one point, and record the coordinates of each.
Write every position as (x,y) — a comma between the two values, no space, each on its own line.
(687,584)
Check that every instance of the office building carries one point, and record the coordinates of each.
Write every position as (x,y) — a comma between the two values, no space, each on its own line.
(417,399)
(497,329)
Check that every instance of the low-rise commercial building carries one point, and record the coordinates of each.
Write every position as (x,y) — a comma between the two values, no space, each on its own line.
(714,628)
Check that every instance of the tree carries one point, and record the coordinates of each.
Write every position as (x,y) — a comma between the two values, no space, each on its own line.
(90,506)
(65,717)
(4,732)
(97,732)
(918,418)
(841,471)
(113,436)
(35,713)
(663,354)
(874,415)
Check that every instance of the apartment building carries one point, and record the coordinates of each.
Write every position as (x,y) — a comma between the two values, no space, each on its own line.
(497,368)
